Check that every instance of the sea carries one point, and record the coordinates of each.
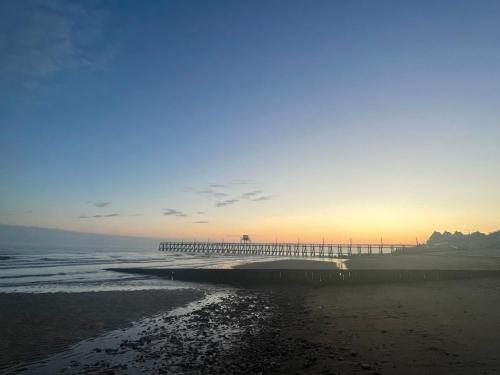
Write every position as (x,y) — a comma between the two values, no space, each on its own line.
(46,269)
(34,268)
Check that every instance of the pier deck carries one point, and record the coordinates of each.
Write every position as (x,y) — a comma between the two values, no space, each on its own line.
(283,249)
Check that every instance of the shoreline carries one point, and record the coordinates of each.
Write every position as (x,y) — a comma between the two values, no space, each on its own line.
(297,264)
(446,326)
(202,337)
(266,277)
(431,260)
(33,326)
(389,327)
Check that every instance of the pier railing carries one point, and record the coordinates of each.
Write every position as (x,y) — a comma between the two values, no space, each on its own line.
(282,249)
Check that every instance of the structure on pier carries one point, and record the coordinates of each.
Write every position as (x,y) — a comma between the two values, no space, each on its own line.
(245,239)
(282,249)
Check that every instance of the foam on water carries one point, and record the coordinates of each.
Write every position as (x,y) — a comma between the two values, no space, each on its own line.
(46,269)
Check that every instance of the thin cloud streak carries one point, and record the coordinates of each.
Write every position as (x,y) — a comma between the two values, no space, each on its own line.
(173,212)
(227,202)
(98,216)
(212,193)
(101,204)
(222,197)
(251,194)
(28,212)
(242,181)
(260,199)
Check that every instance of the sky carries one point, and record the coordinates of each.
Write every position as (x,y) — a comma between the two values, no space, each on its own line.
(286,120)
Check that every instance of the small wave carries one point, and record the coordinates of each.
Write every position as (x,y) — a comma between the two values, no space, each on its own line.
(53,259)
(4,257)
(33,275)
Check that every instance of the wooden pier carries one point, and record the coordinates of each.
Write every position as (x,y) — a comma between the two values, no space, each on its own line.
(283,249)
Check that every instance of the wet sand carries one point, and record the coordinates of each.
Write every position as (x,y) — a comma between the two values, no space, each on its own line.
(423,327)
(412,260)
(436,327)
(35,325)
(198,339)
(425,260)
(291,264)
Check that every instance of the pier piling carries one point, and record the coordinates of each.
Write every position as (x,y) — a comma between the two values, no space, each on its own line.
(281,249)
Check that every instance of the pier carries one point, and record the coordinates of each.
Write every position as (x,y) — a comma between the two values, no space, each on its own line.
(283,249)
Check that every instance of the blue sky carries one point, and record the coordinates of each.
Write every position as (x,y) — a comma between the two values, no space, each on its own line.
(350,119)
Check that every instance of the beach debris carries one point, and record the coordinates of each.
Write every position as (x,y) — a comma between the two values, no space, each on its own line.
(365,366)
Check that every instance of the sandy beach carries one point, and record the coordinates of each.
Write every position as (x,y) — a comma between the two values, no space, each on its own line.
(438,327)
(427,327)
(33,326)
(296,264)
(426,260)
(421,327)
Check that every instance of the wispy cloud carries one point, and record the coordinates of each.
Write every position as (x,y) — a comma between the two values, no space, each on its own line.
(251,194)
(259,199)
(201,213)
(173,212)
(242,181)
(211,193)
(98,216)
(27,212)
(41,38)
(231,192)
(201,222)
(99,204)
(227,202)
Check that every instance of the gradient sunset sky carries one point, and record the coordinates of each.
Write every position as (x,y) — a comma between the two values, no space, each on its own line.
(281,119)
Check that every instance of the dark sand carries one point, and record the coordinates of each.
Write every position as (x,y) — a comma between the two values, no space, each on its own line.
(35,325)
(438,327)
(425,260)
(412,260)
(425,327)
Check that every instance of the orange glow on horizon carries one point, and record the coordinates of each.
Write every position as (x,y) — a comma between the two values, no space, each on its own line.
(291,230)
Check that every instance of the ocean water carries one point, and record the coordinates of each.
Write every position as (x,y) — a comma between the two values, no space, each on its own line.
(44,269)
(57,268)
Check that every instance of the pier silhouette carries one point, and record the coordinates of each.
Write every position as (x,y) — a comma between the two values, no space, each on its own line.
(286,249)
